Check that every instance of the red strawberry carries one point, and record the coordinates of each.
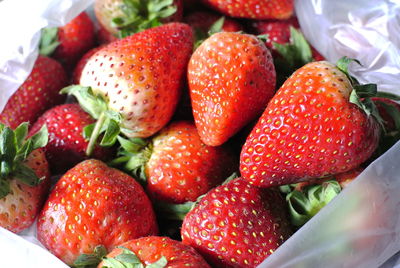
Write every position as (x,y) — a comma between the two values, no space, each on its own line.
(67,146)
(203,20)
(123,18)
(135,82)
(104,37)
(76,76)
(154,249)
(310,129)
(237,225)
(93,205)
(231,78)
(39,92)
(68,43)
(178,166)
(277,31)
(24,177)
(253,9)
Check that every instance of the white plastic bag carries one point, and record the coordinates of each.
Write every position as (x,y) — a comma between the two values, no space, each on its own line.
(361,227)
(366,30)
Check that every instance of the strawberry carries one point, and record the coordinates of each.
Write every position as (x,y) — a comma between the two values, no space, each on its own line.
(253,9)
(237,225)
(313,127)
(231,78)
(24,176)
(104,37)
(39,92)
(93,205)
(76,75)
(126,17)
(277,31)
(177,166)
(133,85)
(153,250)
(203,20)
(66,124)
(68,43)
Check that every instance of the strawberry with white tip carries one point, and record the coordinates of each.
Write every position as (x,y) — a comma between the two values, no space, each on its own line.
(24,176)
(133,85)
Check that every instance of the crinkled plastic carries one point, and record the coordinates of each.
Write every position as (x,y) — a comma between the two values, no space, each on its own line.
(359,228)
(20,25)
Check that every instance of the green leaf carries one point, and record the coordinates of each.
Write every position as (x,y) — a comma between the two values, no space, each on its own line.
(217,26)
(91,260)
(8,151)
(303,205)
(366,90)
(4,187)
(133,145)
(26,175)
(161,263)
(111,133)
(24,151)
(387,95)
(41,138)
(233,176)
(128,258)
(301,45)
(140,15)
(88,130)
(173,211)
(49,41)
(20,133)
(93,104)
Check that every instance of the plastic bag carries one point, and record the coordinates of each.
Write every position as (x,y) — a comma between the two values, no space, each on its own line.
(359,228)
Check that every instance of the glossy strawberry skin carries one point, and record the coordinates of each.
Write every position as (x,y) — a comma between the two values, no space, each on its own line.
(309,130)
(203,20)
(39,92)
(253,9)
(150,249)
(19,208)
(75,39)
(182,167)
(92,205)
(142,76)
(237,225)
(67,146)
(231,78)
(387,118)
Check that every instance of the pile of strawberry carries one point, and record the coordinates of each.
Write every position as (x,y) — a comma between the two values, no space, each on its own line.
(123,140)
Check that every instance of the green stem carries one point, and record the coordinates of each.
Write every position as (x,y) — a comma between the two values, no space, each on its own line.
(95,134)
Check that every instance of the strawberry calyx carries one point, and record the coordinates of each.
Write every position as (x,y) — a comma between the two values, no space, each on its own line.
(201,36)
(140,15)
(304,204)
(14,149)
(129,259)
(108,121)
(133,155)
(294,55)
(48,41)
(91,260)
(171,211)
(362,93)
